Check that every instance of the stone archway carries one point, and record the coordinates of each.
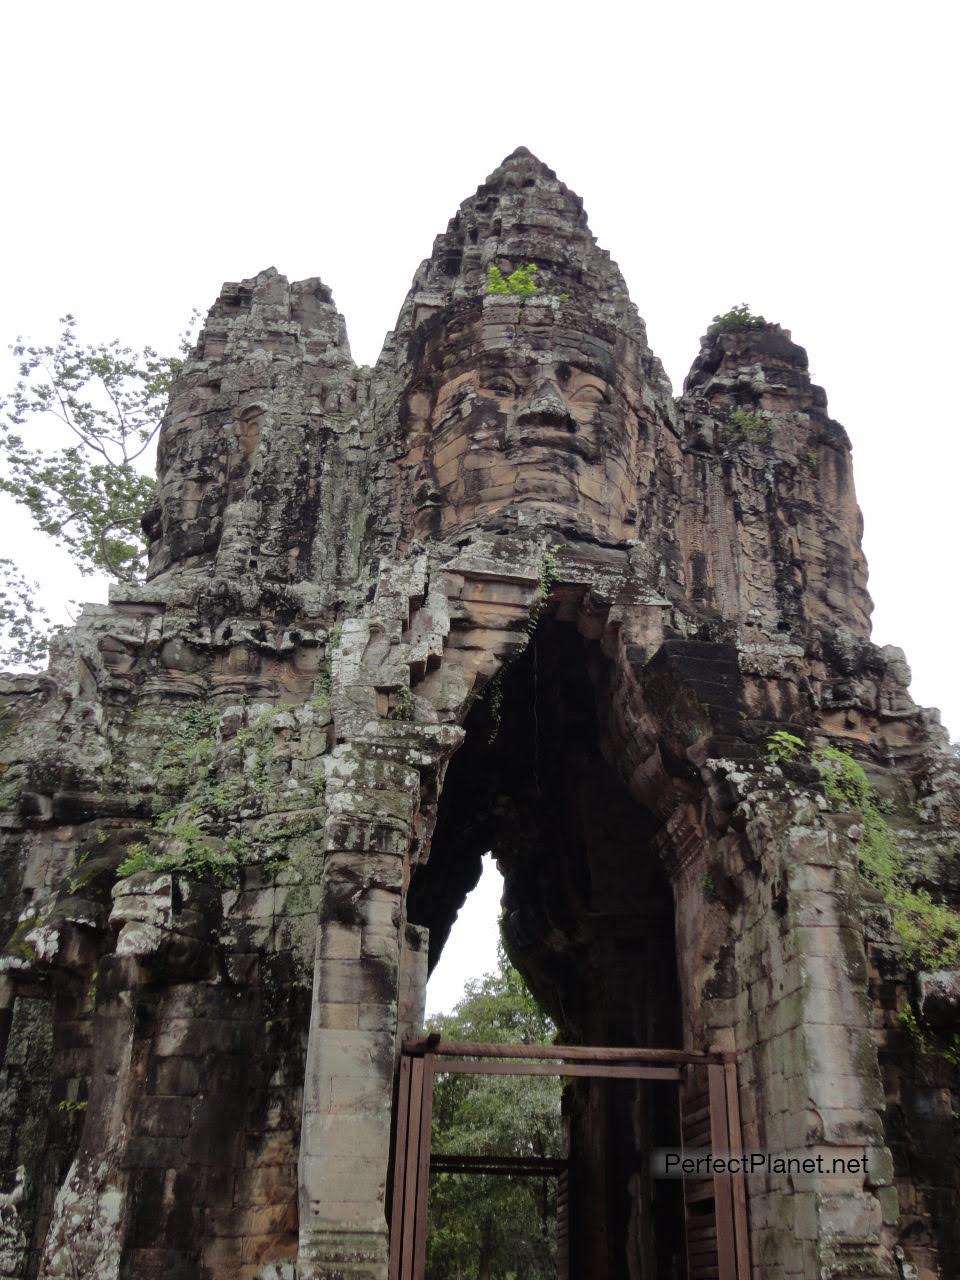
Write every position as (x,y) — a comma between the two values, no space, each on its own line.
(659,738)
(588,920)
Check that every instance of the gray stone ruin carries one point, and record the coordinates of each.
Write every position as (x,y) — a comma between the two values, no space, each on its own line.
(500,591)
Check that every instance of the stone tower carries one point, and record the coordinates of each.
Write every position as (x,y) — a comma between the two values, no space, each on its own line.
(501,591)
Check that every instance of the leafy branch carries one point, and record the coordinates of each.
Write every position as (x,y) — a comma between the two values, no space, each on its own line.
(521,283)
(108,400)
(748,426)
(736,320)
(24,625)
(783,746)
(74,432)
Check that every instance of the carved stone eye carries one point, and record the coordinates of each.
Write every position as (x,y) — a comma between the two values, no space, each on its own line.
(500,385)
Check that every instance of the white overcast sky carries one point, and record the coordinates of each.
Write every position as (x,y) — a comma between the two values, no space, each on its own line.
(802,158)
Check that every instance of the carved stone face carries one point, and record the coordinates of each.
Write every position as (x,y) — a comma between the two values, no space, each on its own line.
(540,422)
(164,922)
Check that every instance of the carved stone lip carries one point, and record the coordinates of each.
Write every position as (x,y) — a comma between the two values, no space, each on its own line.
(554,438)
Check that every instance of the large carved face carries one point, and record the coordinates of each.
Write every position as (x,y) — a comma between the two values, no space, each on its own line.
(508,419)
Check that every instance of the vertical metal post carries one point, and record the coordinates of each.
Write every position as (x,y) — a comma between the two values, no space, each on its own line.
(399,1167)
(738,1182)
(722,1190)
(685,1089)
(563,1225)
(411,1165)
(563,1204)
(423,1171)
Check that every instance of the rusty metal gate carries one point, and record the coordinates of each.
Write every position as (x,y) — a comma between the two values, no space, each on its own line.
(715,1208)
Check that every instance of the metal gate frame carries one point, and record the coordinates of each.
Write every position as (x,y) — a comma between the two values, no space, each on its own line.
(723,1249)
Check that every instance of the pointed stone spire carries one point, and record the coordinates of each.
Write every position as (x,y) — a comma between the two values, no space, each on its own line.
(521,214)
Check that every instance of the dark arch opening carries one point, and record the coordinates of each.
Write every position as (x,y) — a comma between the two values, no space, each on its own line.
(587,919)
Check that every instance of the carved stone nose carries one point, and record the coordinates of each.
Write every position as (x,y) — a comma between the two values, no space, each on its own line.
(546,408)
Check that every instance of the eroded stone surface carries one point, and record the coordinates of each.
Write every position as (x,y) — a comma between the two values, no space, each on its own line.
(500,591)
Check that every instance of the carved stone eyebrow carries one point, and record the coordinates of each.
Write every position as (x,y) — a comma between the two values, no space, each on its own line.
(584,378)
(500,364)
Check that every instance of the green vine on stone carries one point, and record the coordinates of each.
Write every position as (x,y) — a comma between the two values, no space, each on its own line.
(845,782)
(188,748)
(191,854)
(748,426)
(322,688)
(186,765)
(494,693)
(9,791)
(549,572)
(17,943)
(546,580)
(926,1042)
(929,931)
(323,682)
(402,705)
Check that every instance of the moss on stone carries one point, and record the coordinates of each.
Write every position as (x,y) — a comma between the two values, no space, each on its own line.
(9,790)
(25,1111)
(929,931)
(17,944)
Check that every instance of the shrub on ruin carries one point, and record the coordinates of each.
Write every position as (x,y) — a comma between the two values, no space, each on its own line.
(736,320)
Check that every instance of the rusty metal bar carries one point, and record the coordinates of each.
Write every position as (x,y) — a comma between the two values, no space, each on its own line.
(499,1166)
(557,1162)
(399,1165)
(563,1225)
(739,1186)
(411,1166)
(685,1087)
(423,1172)
(560,1052)
(464,1067)
(722,1190)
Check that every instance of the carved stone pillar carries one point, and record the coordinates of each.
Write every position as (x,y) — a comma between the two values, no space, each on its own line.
(373,796)
(772,964)
(164,927)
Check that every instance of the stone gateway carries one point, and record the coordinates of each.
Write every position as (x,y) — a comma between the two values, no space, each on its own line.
(501,591)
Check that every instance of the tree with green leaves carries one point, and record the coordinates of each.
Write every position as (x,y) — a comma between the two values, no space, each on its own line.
(736,320)
(494,1227)
(74,435)
(24,624)
(521,283)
